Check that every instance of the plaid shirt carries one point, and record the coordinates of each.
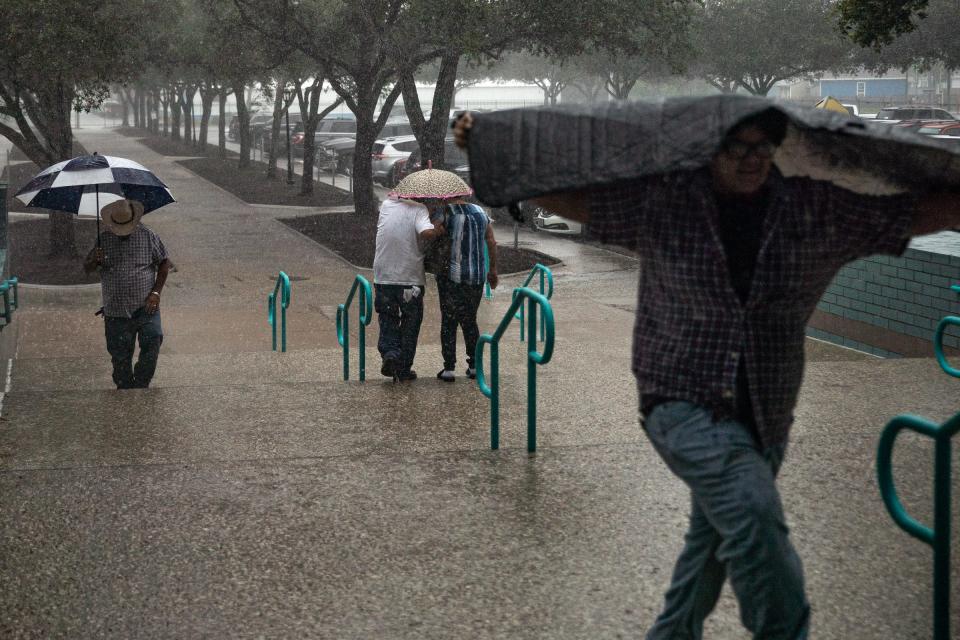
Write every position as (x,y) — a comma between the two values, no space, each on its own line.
(691,328)
(130,270)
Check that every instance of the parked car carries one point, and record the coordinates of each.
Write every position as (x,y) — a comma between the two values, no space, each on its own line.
(296,127)
(950,141)
(940,128)
(890,115)
(339,153)
(454,159)
(257,121)
(387,153)
(913,125)
(553,223)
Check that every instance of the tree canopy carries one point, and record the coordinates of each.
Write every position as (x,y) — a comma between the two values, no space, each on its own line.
(875,23)
(61,55)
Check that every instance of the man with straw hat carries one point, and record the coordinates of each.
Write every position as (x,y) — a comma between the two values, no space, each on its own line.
(133,266)
(399,278)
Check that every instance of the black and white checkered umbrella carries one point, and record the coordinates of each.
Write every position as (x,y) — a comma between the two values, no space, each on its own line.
(85,184)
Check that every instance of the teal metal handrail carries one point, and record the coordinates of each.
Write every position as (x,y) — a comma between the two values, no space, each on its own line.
(938,345)
(534,358)
(9,306)
(545,274)
(488,293)
(939,536)
(938,340)
(283,286)
(343,325)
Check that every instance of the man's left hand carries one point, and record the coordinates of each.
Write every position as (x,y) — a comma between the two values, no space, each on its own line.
(152,303)
(493,280)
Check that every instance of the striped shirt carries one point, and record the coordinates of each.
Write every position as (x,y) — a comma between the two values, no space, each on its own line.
(692,331)
(467,226)
(130,270)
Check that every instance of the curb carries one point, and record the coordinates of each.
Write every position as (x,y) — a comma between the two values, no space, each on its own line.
(333,253)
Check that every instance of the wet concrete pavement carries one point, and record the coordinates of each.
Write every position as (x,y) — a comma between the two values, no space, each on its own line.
(253,494)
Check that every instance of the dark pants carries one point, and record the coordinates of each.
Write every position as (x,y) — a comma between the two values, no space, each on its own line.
(122,335)
(458,307)
(737,528)
(399,323)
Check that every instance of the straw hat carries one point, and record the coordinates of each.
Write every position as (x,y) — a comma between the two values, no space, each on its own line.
(431,183)
(122,216)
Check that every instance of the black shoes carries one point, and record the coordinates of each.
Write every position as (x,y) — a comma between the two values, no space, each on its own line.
(389,367)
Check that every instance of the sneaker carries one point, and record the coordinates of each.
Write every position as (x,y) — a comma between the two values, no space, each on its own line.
(447,375)
(407,377)
(471,373)
(389,367)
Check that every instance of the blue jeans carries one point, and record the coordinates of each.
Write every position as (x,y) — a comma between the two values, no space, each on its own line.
(399,323)
(737,527)
(122,335)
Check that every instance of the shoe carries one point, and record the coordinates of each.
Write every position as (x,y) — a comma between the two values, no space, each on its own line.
(447,375)
(471,373)
(389,367)
(406,377)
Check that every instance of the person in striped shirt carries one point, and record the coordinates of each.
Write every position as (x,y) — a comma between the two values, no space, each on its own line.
(460,284)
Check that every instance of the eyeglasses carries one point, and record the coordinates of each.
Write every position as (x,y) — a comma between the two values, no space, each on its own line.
(739,150)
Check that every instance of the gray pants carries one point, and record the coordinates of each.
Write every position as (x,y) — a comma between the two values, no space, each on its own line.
(122,335)
(737,527)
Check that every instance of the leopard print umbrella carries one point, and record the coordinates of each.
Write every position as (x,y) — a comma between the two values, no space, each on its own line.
(431,183)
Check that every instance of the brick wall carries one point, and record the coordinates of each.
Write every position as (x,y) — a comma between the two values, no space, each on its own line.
(891,306)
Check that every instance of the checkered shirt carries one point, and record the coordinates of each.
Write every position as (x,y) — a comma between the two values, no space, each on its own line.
(691,327)
(130,270)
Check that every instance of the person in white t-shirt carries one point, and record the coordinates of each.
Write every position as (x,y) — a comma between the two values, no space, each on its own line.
(398,276)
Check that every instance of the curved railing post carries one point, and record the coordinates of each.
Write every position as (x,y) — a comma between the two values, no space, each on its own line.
(283,287)
(546,290)
(938,345)
(938,340)
(938,537)
(534,358)
(343,325)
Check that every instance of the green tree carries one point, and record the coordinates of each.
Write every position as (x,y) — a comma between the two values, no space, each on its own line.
(875,23)
(753,44)
(60,56)
(932,43)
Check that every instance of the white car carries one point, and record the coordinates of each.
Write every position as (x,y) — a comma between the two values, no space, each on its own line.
(547,221)
(387,152)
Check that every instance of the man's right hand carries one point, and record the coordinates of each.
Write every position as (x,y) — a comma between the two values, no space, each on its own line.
(461,129)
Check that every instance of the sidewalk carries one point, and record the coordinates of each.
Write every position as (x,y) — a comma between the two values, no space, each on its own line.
(251,494)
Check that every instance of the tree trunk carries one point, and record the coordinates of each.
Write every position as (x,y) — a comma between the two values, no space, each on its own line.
(175,112)
(126,108)
(949,88)
(207,96)
(222,123)
(142,106)
(63,240)
(309,106)
(165,103)
(243,114)
(431,133)
(275,124)
(187,106)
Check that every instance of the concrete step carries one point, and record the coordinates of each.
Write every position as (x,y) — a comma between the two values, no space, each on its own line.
(257,420)
(58,349)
